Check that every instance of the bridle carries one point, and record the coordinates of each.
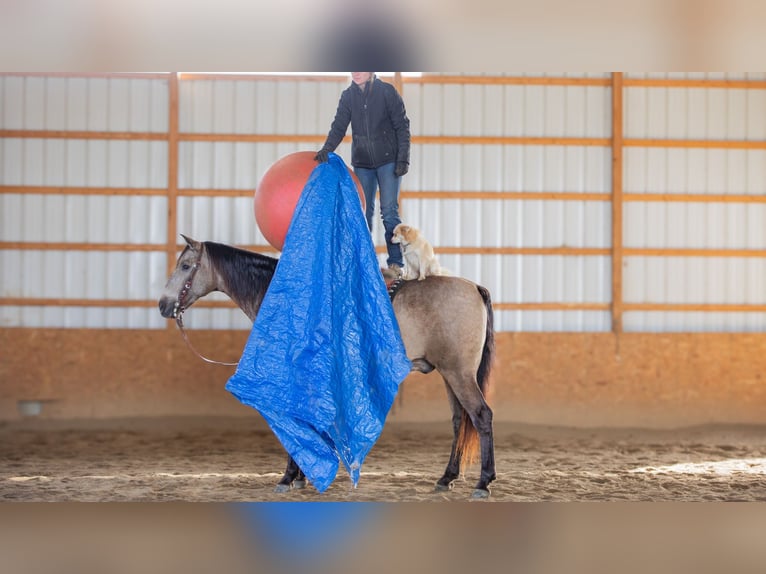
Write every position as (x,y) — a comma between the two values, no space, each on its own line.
(178,311)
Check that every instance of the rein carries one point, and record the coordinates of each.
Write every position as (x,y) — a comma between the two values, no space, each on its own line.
(178,311)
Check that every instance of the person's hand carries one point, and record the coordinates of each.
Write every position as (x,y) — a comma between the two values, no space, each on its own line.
(321,156)
(401,168)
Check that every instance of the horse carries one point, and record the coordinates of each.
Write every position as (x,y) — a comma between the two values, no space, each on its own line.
(446,323)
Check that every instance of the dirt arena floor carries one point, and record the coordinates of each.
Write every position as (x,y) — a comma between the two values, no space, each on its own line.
(238,459)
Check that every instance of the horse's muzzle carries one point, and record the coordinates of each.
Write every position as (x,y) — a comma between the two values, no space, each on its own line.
(167,307)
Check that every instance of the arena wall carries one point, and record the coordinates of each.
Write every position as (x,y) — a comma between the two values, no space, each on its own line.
(581,379)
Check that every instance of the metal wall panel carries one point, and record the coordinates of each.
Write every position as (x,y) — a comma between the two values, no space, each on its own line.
(259,106)
(83,104)
(508,110)
(307,107)
(95,104)
(696,114)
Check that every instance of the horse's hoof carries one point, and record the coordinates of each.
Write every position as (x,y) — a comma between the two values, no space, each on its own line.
(480,494)
(282,488)
(442,487)
(299,484)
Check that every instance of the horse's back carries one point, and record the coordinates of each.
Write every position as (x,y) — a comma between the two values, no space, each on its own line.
(442,319)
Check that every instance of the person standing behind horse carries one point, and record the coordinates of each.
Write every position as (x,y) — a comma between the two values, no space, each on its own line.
(380,148)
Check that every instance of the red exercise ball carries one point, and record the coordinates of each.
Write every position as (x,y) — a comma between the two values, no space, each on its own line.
(279,190)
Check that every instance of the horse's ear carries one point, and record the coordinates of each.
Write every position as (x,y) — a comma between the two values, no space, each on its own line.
(195,245)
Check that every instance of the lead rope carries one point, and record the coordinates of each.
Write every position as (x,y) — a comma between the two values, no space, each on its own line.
(180,323)
(178,312)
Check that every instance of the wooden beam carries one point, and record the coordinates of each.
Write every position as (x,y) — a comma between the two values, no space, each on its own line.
(551,306)
(697,307)
(83,135)
(90,75)
(576,251)
(695,144)
(510,140)
(172,215)
(617,175)
(694,83)
(507,195)
(195,76)
(507,80)
(412,194)
(675,252)
(60,190)
(695,197)
(253,138)
(73,246)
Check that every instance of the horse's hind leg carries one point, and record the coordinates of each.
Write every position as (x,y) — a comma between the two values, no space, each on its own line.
(293,477)
(472,400)
(453,466)
(482,420)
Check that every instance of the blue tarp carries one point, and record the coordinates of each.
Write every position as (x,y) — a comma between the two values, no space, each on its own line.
(325,358)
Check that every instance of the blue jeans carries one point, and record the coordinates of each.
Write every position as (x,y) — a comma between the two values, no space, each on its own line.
(389,203)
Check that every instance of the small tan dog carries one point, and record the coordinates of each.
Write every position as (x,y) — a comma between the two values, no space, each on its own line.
(419,257)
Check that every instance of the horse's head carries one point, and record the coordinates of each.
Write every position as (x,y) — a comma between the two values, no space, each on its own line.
(191,279)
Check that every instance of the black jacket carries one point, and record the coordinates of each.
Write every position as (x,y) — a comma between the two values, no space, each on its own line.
(380,128)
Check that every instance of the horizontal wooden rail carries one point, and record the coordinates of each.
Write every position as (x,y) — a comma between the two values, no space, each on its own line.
(507,80)
(587,251)
(529,251)
(421,139)
(190,192)
(696,307)
(64,302)
(84,135)
(61,190)
(551,306)
(92,75)
(425,79)
(74,246)
(693,83)
(694,197)
(694,144)
(505,195)
(254,138)
(405,194)
(511,140)
(198,76)
(498,306)
(416,139)
(124,303)
(676,252)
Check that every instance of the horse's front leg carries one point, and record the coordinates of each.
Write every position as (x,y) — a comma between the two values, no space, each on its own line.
(293,477)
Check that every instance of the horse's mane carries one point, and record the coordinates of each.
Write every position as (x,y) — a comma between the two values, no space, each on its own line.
(247,274)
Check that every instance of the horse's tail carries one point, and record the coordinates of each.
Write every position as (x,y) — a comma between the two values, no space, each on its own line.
(468,438)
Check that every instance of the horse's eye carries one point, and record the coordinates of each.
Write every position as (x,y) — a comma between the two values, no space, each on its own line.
(185,266)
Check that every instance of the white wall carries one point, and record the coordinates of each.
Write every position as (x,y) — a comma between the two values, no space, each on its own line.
(302,107)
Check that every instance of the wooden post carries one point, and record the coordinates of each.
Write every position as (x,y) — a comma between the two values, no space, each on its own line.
(617,169)
(172,239)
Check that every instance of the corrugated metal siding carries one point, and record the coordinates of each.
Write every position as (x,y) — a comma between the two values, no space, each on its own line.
(97,104)
(517,111)
(696,114)
(450,109)
(86,104)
